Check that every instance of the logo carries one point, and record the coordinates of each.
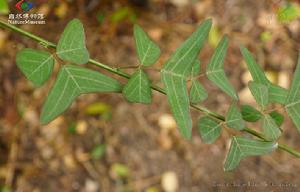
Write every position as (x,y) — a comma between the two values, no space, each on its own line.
(24,6)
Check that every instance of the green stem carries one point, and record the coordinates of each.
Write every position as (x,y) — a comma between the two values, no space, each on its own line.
(116,71)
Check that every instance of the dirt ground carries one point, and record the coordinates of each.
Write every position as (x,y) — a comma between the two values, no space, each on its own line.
(103,143)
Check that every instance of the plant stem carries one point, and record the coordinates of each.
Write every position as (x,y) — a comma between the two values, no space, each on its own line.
(116,71)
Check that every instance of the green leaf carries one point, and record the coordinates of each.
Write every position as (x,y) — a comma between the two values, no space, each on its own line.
(138,88)
(293,100)
(181,62)
(234,118)
(277,117)
(250,114)
(174,76)
(120,170)
(71,82)
(277,94)
(215,69)
(288,13)
(196,68)
(147,50)
(98,108)
(197,92)
(36,65)
(241,148)
(71,46)
(4,7)
(260,93)
(98,151)
(255,70)
(271,129)
(178,99)
(209,129)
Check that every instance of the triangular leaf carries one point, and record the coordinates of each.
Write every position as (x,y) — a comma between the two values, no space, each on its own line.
(271,129)
(260,93)
(181,62)
(148,52)
(36,65)
(178,100)
(71,82)
(174,76)
(234,118)
(278,118)
(277,94)
(293,100)
(250,114)
(209,129)
(71,46)
(241,148)
(215,69)
(197,92)
(138,88)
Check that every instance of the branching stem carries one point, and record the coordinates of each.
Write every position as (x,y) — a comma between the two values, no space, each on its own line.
(118,72)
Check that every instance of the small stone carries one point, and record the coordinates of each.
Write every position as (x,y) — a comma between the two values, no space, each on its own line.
(82,156)
(180,3)
(69,161)
(246,77)
(165,141)
(169,181)
(246,96)
(284,79)
(81,127)
(166,122)
(91,186)
(155,34)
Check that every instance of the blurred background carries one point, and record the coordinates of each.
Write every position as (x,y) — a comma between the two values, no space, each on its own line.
(103,143)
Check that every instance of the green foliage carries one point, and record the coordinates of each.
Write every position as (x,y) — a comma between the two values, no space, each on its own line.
(181,62)
(147,50)
(271,129)
(36,65)
(138,88)
(241,148)
(122,14)
(278,118)
(260,93)
(98,151)
(120,170)
(250,114)
(209,129)
(288,13)
(178,99)
(293,100)
(4,7)
(215,69)
(71,82)
(277,94)
(71,46)
(234,118)
(197,91)
(196,68)
(175,72)
(98,108)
